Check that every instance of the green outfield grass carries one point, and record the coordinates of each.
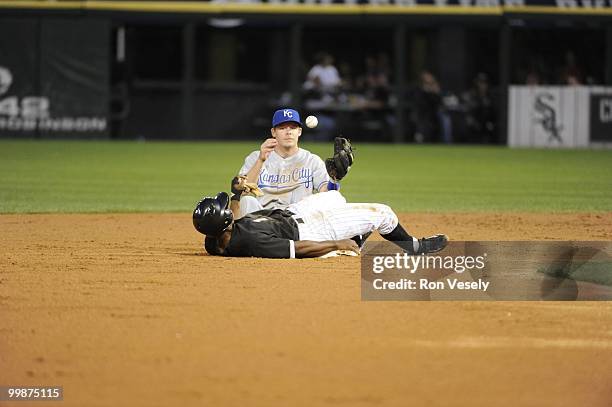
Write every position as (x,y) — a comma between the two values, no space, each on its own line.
(63,176)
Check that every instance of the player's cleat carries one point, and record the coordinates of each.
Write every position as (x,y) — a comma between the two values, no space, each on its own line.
(361,239)
(432,244)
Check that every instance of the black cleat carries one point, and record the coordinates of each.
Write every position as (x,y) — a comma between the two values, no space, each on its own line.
(432,244)
(360,239)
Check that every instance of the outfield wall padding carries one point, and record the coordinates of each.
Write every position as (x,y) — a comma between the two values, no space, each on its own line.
(54,77)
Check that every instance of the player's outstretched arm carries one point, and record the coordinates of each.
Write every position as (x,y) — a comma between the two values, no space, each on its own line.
(237,188)
(235,207)
(264,152)
(309,248)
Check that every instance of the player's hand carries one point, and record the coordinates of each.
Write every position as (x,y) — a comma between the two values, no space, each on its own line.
(266,148)
(347,244)
(238,184)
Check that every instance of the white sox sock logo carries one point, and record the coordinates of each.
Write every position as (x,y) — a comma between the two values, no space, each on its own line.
(548,117)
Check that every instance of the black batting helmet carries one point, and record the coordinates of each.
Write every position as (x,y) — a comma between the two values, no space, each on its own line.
(212,216)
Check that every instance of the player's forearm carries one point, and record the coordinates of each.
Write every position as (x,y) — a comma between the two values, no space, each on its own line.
(309,248)
(235,207)
(253,173)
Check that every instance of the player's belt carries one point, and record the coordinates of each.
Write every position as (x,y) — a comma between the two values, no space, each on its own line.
(270,202)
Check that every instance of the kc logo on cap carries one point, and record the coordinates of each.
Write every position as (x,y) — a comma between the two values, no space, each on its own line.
(286,115)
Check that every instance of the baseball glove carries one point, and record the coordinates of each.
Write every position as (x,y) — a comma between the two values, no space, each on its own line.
(240,186)
(339,165)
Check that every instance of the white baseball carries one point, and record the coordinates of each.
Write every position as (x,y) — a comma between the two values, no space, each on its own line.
(311,122)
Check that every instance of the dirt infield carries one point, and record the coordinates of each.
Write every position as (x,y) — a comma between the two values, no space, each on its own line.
(126,310)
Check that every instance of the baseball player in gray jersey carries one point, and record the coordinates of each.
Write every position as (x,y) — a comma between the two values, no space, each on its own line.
(283,171)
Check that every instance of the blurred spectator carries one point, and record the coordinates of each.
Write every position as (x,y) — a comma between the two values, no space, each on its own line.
(572,80)
(532,78)
(346,75)
(384,64)
(323,77)
(570,73)
(430,117)
(480,110)
(375,83)
(321,90)
(376,91)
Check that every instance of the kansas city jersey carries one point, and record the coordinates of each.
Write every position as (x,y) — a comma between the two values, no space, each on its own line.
(287,180)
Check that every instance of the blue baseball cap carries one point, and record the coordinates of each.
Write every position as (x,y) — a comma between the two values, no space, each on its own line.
(286,115)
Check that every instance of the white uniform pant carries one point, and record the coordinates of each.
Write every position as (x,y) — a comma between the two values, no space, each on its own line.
(249,204)
(327,216)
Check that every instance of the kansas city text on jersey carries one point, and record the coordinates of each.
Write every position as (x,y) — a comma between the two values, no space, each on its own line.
(298,176)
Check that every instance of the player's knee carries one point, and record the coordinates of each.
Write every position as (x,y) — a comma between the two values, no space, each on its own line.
(248,199)
(249,204)
(386,209)
(390,217)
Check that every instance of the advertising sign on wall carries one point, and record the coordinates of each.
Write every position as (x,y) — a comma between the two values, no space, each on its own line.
(559,116)
(601,118)
(58,86)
